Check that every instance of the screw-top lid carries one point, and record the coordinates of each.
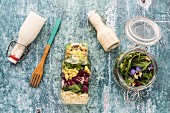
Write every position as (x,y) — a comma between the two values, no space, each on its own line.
(142,31)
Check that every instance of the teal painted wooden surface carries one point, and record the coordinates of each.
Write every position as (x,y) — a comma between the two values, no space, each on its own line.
(106,96)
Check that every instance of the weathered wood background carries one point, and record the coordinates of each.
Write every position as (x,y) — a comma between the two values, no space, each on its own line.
(16,96)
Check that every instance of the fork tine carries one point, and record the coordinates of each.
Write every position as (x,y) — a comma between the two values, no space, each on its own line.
(36,81)
(39,80)
(32,77)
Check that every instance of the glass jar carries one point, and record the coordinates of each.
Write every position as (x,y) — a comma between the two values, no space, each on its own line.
(75,75)
(143,32)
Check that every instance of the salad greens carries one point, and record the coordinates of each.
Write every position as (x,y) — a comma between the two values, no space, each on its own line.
(136,69)
(73,66)
(73,88)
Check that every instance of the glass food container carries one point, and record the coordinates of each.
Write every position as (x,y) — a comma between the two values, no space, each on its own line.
(75,74)
(143,32)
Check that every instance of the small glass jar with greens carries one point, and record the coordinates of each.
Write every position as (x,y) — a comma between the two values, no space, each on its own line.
(136,69)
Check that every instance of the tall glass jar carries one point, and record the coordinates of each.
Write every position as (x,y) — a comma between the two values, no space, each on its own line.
(75,75)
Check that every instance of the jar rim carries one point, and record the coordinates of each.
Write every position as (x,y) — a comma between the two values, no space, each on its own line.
(146,25)
(123,82)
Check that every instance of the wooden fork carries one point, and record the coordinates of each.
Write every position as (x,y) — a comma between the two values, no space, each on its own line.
(38,72)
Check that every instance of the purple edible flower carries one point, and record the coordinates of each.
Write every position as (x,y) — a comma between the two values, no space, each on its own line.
(137,72)
(138,68)
(132,71)
(150,67)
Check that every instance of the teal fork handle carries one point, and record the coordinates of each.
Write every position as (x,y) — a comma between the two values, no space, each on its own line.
(54,31)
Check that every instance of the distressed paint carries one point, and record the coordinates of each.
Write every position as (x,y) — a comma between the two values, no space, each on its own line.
(106,96)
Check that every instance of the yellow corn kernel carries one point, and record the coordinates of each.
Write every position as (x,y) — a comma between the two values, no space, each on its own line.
(76,71)
(63,71)
(66,76)
(69,71)
(70,78)
(87,69)
(74,74)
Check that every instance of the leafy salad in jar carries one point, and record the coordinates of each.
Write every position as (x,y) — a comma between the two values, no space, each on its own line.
(136,69)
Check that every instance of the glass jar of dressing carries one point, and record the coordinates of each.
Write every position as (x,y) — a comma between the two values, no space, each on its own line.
(136,69)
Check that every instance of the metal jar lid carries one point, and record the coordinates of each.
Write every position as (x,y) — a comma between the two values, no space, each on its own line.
(142,31)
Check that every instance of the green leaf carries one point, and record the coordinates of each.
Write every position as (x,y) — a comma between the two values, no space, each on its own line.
(138,56)
(79,92)
(65,89)
(147,75)
(72,66)
(143,82)
(140,64)
(146,66)
(129,66)
(74,88)
(80,86)
(142,58)
(130,80)
(144,75)
(126,78)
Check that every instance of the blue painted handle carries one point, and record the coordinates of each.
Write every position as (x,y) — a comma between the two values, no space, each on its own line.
(54,31)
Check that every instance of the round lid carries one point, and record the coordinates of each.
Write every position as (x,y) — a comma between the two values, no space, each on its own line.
(142,31)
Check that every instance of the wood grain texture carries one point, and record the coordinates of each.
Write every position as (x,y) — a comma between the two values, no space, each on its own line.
(16,96)
(39,69)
